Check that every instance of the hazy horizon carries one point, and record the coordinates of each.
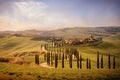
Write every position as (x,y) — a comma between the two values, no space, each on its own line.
(44,15)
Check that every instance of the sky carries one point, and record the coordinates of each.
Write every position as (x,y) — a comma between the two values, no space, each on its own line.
(55,14)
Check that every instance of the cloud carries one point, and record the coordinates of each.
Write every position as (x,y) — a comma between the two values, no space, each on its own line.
(35,15)
(30,10)
(43,15)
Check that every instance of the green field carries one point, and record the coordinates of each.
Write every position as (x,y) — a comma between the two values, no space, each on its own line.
(13,45)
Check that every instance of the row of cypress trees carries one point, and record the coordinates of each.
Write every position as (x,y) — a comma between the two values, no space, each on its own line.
(100,65)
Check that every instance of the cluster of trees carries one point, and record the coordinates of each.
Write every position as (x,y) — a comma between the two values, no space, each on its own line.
(89,41)
(68,54)
(76,41)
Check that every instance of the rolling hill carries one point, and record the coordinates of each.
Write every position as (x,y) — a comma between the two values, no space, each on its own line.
(66,32)
(14,42)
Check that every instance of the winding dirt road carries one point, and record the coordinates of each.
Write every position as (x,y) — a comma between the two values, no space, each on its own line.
(45,65)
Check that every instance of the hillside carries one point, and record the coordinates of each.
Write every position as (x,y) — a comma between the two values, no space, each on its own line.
(19,41)
(66,32)
(13,44)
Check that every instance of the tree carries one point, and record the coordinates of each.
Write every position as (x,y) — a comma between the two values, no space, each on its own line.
(56,60)
(102,61)
(70,57)
(37,59)
(87,62)
(77,61)
(113,62)
(63,61)
(48,58)
(98,59)
(80,62)
(109,64)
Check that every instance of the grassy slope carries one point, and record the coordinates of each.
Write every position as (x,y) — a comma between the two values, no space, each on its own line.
(34,72)
(14,44)
(79,32)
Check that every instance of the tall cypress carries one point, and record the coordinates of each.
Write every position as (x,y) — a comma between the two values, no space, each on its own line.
(102,61)
(109,62)
(98,59)
(87,66)
(56,60)
(63,61)
(113,62)
(48,58)
(70,60)
(37,59)
(80,62)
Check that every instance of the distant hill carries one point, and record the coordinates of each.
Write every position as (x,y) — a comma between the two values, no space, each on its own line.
(12,42)
(66,32)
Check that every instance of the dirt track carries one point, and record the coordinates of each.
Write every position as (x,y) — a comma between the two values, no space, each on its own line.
(45,65)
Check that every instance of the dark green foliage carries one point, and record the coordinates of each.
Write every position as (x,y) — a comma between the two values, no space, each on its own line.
(80,62)
(102,61)
(77,61)
(70,52)
(113,62)
(87,63)
(56,60)
(98,59)
(63,61)
(70,60)
(37,59)
(109,64)
(48,58)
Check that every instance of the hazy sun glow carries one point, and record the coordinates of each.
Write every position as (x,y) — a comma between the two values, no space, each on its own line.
(53,14)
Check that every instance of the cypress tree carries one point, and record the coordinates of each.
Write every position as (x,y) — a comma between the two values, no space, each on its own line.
(87,62)
(80,62)
(70,60)
(48,58)
(56,60)
(109,64)
(37,59)
(113,62)
(102,61)
(98,59)
(63,61)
